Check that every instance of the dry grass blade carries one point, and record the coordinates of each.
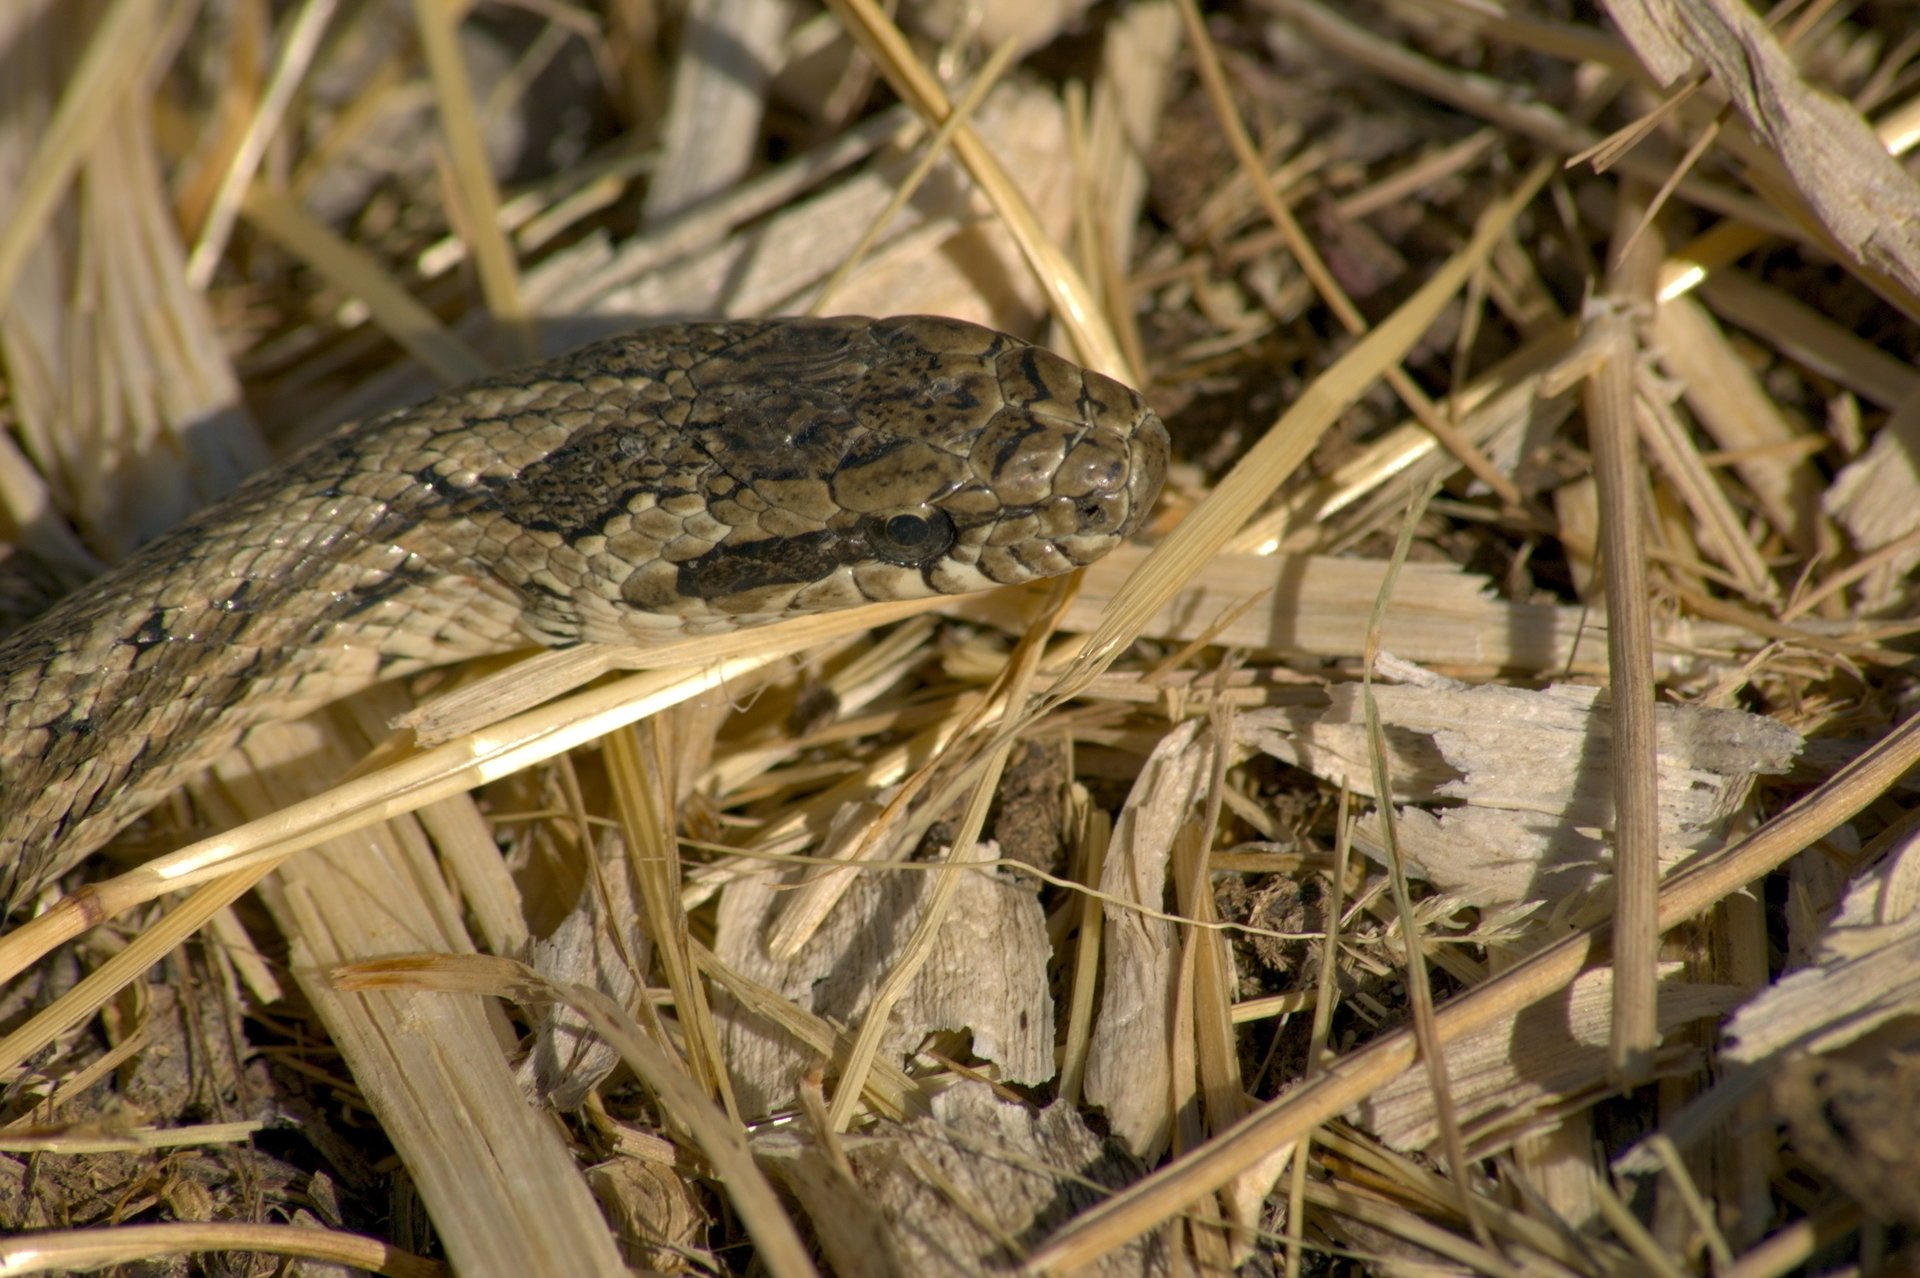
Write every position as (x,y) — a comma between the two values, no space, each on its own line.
(643,784)
(936,149)
(718,1136)
(1316,269)
(476,204)
(964,848)
(1832,156)
(402,787)
(1420,984)
(25,944)
(1072,299)
(80,1250)
(117,55)
(1284,1121)
(296,53)
(1205,530)
(358,274)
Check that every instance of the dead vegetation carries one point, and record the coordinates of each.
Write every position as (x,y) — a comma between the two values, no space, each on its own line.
(1468,834)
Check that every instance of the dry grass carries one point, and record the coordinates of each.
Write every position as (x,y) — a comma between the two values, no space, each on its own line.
(1507,360)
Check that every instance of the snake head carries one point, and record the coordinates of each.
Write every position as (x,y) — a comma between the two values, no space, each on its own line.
(798,466)
(955,459)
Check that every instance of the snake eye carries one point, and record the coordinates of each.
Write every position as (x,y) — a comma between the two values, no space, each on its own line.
(910,537)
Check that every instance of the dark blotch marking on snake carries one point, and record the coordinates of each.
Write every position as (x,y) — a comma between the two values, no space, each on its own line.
(773,561)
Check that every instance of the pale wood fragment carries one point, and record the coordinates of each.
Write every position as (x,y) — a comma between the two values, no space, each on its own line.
(505,1192)
(1508,1079)
(1862,197)
(987,975)
(116,379)
(1864,974)
(1440,616)
(959,1193)
(1506,791)
(1129,1065)
(1741,417)
(1873,500)
(728,52)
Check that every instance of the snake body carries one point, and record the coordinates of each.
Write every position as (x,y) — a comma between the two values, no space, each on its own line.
(683,479)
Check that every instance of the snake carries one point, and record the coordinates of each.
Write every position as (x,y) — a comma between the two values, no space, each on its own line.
(682,479)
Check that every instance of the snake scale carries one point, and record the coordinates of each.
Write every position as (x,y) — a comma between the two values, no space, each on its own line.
(683,479)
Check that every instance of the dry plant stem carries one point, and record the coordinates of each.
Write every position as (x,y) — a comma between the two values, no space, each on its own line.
(1096,833)
(297,48)
(1865,566)
(1329,289)
(1073,301)
(1627,1227)
(1811,338)
(1207,1059)
(1685,894)
(719,1138)
(1257,475)
(359,274)
(1419,983)
(1513,385)
(1092,242)
(82,1250)
(1568,42)
(475,203)
(1862,199)
(1421,172)
(1695,1203)
(1766,177)
(642,796)
(1404,1224)
(1795,1245)
(1325,994)
(92,991)
(1736,411)
(1685,165)
(410,784)
(1867,648)
(76,1084)
(62,1142)
(1496,102)
(890,1092)
(1717,525)
(936,150)
(116,62)
(499,1182)
(833,877)
(1614,441)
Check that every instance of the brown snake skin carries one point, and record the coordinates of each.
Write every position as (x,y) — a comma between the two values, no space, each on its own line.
(682,479)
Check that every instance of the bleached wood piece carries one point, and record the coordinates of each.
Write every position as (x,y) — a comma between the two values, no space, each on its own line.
(1865,971)
(988,975)
(1508,789)
(946,1195)
(1440,616)
(1872,499)
(1129,1069)
(505,1193)
(727,54)
(1503,1079)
